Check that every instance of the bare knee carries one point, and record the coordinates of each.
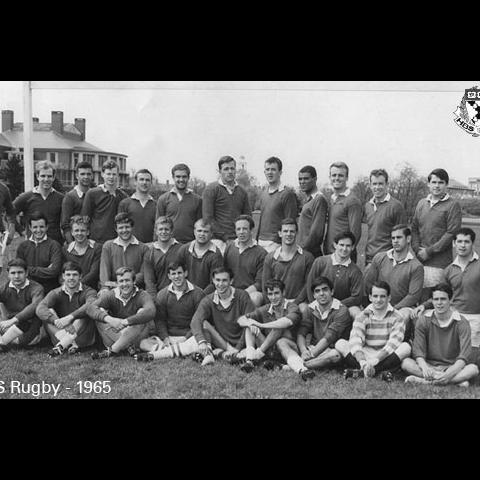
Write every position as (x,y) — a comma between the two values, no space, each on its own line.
(343,347)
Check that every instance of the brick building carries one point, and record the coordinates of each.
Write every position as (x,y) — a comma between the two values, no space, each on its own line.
(61,143)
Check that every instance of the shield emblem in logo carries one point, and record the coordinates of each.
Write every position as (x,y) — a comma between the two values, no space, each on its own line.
(473,111)
(467,115)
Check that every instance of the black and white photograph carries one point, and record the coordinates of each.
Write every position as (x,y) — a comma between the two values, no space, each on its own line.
(240,240)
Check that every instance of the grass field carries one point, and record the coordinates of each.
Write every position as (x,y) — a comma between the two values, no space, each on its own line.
(183,378)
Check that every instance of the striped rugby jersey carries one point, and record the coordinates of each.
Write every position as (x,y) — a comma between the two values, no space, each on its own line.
(386,333)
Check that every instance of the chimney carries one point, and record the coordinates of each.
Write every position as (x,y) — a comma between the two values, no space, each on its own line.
(7,120)
(80,124)
(57,122)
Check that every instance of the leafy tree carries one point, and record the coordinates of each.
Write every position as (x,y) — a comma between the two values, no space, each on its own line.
(197,185)
(14,177)
(409,188)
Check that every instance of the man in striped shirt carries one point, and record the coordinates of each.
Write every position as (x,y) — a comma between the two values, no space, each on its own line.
(376,340)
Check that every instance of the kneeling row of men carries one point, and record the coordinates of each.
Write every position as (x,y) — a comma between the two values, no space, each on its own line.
(184,321)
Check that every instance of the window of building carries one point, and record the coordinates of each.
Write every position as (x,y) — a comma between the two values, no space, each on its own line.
(87,157)
(101,160)
(39,155)
(53,157)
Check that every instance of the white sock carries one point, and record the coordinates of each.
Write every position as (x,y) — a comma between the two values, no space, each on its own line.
(67,339)
(60,334)
(250,353)
(295,363)
(11,334)
(187,347)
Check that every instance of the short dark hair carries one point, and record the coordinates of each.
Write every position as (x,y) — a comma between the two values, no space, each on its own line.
(342,235)
(71,266)
(380,284)
(180,166)
(248,218)
(222,269)
(17,262)
(289,221)
(309,169)
(174,265)
(84,165)
(321,281)
(144,171)
(37,216)
(466,231)
(119,272)
(124,217)
(440,173)
(80,220)
(275,160)
(404,228)
(274,283)
(442,287)
(379,172)
(339,165)
(225,159)
(110,165)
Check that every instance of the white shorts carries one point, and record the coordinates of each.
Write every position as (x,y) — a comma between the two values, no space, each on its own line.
(154,343)
(474,321)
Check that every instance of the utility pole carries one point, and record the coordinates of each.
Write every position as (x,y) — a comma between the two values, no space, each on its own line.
(27,136)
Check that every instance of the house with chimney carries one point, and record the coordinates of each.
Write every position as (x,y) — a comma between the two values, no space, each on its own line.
(61,143)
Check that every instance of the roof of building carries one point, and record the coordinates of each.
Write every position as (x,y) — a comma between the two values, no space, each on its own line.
(457,185)
(43,137)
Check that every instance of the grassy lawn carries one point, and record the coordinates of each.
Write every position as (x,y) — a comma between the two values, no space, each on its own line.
(183,378)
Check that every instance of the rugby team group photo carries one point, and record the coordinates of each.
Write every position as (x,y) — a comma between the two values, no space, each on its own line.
(276,285)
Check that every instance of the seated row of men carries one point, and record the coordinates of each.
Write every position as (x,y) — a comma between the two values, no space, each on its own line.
(183,320)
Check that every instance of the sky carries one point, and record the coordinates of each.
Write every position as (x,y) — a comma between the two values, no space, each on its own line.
(366,129)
